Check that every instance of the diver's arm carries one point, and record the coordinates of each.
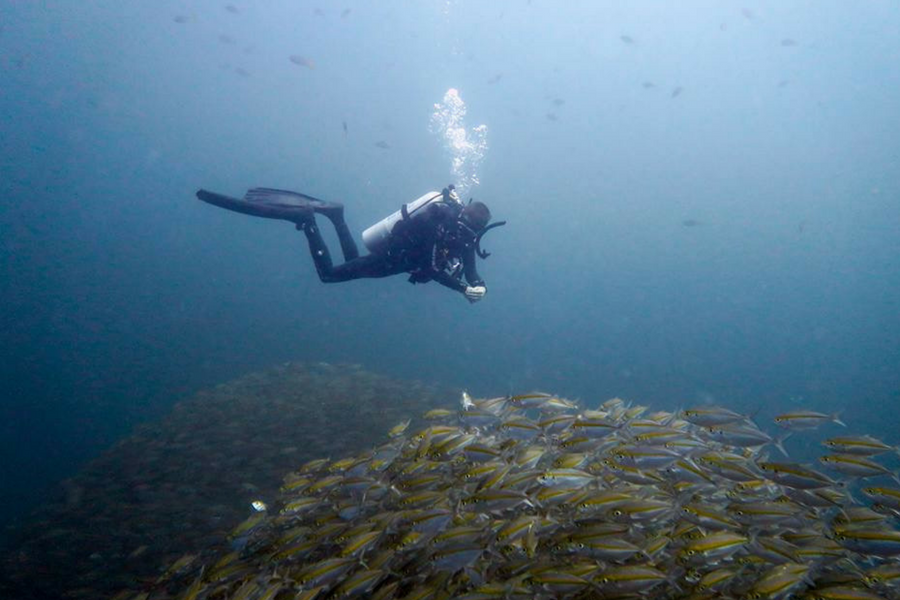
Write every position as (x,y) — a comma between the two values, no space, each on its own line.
(447,280)
(469,268)
(472,293)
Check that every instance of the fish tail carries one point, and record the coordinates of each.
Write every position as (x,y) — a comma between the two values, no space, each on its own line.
(752,415)
(779,442)
(671,418)
(836,418)
(896,476)
(672,578)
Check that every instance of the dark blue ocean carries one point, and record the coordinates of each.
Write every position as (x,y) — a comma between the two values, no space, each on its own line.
(703,205)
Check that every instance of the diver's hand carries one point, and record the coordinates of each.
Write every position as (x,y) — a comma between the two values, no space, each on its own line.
(474,294)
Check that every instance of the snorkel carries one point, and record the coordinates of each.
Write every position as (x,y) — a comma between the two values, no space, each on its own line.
(478,229)
(478,250)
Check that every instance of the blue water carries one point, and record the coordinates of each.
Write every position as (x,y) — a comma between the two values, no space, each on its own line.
(737,242)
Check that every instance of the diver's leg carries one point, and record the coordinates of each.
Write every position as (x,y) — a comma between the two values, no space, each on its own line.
(369,267)
(348,245)
(317,248)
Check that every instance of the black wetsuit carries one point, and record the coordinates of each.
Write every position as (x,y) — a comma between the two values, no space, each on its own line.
(432,246)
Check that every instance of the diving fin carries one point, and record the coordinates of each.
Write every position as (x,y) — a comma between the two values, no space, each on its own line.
(273,197)
(272,204)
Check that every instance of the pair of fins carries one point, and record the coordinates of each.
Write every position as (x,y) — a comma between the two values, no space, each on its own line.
(270,203)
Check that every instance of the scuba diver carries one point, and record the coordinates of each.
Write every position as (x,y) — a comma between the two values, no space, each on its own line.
(434,238)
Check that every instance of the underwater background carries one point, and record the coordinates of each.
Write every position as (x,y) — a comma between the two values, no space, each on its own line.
(703,205)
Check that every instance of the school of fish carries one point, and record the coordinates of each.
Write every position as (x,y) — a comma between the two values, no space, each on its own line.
(179,484)
(531,496)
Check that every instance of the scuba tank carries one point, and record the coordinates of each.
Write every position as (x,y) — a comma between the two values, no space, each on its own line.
(376,237)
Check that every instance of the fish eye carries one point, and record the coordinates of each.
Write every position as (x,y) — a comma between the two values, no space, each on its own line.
(739,513)
(617,513)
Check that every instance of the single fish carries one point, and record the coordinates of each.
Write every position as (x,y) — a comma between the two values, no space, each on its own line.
(864,445)
(567,478)
(437,413)
(856,466)
(360,584)
(878,542)
(717,579)
(782,580)
(541,401)
(629,579)
(302,61)
(889,497)
(713,547)
(711,416)
(745,436)
(796,476)
(325,571)
(806,419)
(708,516)
(398,429)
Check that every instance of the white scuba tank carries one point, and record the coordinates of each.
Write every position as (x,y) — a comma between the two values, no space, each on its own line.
(375,237)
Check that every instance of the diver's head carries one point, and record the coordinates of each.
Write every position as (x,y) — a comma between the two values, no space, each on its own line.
(475,216)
